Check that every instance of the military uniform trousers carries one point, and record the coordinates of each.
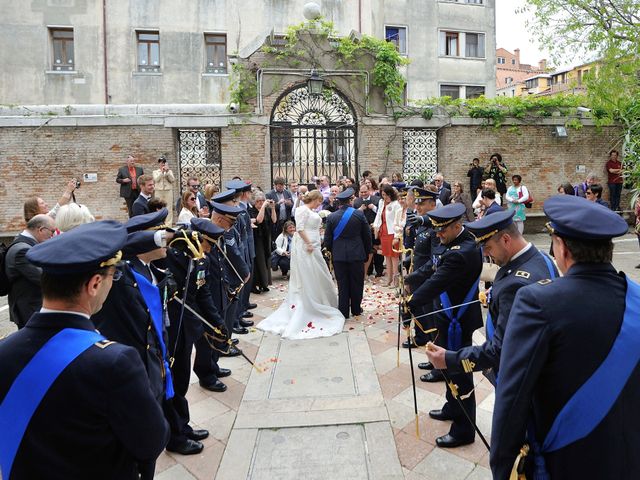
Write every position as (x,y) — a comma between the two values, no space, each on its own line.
(350,278)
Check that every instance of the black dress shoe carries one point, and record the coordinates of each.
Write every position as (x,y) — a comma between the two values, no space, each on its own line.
(425,366)
(190,447)
(198,434)
(246,323)
(233,352)
(216,386)
(408,344)
(247,314)
(447,441)
(256,290)
(240,330)
(224,372)
(265,289)
(440,415)
(432,377)
(234,341)
(251,306)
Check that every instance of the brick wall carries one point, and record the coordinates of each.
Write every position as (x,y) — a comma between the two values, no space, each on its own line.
(40,161)
(544,161)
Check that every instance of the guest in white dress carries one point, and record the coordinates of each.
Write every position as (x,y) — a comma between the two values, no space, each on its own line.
(310,308)
(189,209)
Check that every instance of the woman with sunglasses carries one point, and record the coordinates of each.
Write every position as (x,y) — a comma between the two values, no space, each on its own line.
(189,209)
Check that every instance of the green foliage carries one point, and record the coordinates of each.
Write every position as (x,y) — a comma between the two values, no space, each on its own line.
(244,86)
(609,31)
(385,70)
(496,110)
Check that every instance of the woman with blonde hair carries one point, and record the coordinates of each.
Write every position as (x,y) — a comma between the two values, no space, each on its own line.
(72,215)
(311,307)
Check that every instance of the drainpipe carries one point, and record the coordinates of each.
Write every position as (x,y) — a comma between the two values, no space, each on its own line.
(360,16)
(104,51)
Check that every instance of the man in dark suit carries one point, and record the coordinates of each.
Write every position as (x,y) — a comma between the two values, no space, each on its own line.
(147,187)
(348,237)
(444,189)
(368,204)
(194,186)
(76,401)
(128,179)
(571,376)
(489,201)
(283,203)
(454,281)
(25,297)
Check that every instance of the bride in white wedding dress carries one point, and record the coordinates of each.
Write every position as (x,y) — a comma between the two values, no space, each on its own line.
(311,307)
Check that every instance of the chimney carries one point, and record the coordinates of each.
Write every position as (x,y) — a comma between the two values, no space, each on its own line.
(517,54)
(542,64)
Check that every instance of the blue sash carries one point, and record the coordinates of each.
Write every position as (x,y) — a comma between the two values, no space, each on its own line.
(31,385)
(151,296)
(454,336)
(595,398)
(343,222)
(491,329)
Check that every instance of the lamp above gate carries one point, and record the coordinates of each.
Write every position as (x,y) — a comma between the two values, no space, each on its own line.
(315,83)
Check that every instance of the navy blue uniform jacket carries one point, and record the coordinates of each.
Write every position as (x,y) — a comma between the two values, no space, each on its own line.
(354,243)
(98,419)
(458,269)
(559,333)
(528,268)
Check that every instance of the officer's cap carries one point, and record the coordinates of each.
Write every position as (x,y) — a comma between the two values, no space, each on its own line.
(445,216)
(346,194)
(575,217)
(229,211)
(238,185)
(83,249)
(420,194)
(488,226)
(148,221)
(207,228)
(139,242)
(225,196)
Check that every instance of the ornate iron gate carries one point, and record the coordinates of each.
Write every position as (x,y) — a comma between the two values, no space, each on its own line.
(199,156)
(420,153)
(313,135)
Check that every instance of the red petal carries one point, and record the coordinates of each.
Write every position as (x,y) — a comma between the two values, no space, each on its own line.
(310,325)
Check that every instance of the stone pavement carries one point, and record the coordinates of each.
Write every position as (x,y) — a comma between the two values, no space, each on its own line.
(336,407)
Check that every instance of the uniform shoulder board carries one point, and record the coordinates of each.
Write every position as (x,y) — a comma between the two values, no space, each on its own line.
(523,274)
(455,247)
(104,343)
(545,281)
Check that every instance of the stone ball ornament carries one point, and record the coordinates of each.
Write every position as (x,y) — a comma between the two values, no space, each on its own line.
(311,11)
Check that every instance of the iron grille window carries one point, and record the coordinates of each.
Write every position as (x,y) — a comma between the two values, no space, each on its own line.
(199,156)
(397,36)
(420,153)
(216,51)
(148,51)
(62,43)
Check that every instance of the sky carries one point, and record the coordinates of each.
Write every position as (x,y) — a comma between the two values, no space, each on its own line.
(511,32)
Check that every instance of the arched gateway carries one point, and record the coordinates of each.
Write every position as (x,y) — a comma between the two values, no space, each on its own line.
(313,135)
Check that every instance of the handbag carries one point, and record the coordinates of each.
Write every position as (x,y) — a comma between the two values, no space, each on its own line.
(529,202)
(489,271)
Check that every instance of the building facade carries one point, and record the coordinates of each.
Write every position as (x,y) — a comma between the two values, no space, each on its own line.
(511,72)
(66,52)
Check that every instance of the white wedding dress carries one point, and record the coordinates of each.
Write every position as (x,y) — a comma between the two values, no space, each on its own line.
(310,309)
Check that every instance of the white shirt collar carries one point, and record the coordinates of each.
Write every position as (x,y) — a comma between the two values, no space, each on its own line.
(521,252)
(48,310)
(27,233)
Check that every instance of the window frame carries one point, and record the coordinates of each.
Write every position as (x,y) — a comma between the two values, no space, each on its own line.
(399,44)
(149,67)
(449,85)
(65,65)
(499,62)
(481,43)
(215,70)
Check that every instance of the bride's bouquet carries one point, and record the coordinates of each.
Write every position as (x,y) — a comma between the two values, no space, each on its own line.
(324,214)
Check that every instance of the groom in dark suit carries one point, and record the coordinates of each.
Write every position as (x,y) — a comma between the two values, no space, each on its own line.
(348,237)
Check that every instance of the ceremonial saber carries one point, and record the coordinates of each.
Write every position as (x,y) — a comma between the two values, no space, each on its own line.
(413,381)
(443,310)
(215,329)
(454,391)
